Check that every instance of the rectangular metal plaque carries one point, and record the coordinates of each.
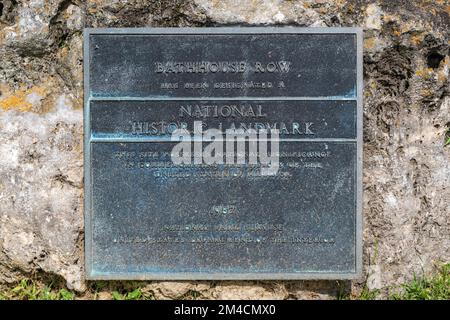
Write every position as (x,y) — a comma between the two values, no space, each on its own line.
(149,218)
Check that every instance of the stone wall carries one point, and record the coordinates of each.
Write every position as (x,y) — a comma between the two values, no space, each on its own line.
(406,120)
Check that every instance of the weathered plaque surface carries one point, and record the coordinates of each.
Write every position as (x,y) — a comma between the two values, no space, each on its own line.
(148,218)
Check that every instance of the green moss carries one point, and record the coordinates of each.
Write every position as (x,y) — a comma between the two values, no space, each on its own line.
(435,287)
(447,142)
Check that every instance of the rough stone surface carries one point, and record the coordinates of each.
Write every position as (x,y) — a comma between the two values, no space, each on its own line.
(406,119)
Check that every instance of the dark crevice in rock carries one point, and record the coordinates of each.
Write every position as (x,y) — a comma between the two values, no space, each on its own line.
(62,36)
(447,132)
(434,59)
(169,13)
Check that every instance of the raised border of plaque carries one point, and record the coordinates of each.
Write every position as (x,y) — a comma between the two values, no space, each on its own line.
(92,274)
